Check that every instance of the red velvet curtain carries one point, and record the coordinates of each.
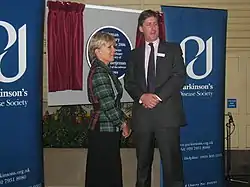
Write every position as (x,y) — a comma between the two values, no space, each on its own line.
(162,35)
(65,46)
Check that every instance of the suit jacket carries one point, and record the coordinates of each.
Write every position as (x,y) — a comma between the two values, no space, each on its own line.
(170,78)
(105,92)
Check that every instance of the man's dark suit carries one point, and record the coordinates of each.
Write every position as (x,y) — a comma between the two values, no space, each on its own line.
(162,122)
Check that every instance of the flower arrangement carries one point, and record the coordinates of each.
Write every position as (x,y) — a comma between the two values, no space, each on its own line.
(68,128)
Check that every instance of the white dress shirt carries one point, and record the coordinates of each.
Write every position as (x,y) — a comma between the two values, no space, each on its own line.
(147,53)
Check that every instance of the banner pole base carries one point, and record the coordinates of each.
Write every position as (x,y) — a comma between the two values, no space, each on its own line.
(230,180)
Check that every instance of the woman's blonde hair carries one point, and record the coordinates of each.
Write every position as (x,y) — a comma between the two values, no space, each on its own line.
(98,40)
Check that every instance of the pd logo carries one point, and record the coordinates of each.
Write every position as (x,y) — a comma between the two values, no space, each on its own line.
(202,46)
(12,37)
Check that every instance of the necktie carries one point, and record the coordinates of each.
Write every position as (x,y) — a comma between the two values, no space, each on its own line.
(151,70)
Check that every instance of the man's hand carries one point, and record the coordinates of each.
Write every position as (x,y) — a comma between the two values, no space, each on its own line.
(149,100)
(126,131)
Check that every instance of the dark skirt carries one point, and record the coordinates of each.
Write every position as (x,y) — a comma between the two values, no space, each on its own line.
(103,168)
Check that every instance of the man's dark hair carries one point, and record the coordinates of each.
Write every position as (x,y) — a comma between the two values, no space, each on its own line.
(146,14)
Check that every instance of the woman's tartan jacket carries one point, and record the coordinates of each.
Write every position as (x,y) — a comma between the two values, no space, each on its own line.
(105,92)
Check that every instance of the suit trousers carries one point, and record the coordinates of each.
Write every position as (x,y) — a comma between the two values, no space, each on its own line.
(168,142)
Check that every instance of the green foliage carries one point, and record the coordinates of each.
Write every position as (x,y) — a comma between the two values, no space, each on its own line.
(67,128)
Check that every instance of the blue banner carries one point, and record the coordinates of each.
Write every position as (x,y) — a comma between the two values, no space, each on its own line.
(21,54)
(202,36)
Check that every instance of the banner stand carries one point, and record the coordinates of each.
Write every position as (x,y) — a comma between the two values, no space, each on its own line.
(201,33)
(21,64)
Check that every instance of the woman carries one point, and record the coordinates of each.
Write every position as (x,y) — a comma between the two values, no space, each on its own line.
(103,167)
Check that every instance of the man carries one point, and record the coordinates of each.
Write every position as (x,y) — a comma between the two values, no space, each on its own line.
(154,78)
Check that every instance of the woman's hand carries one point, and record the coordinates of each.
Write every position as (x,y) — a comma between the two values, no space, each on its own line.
(126,131)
